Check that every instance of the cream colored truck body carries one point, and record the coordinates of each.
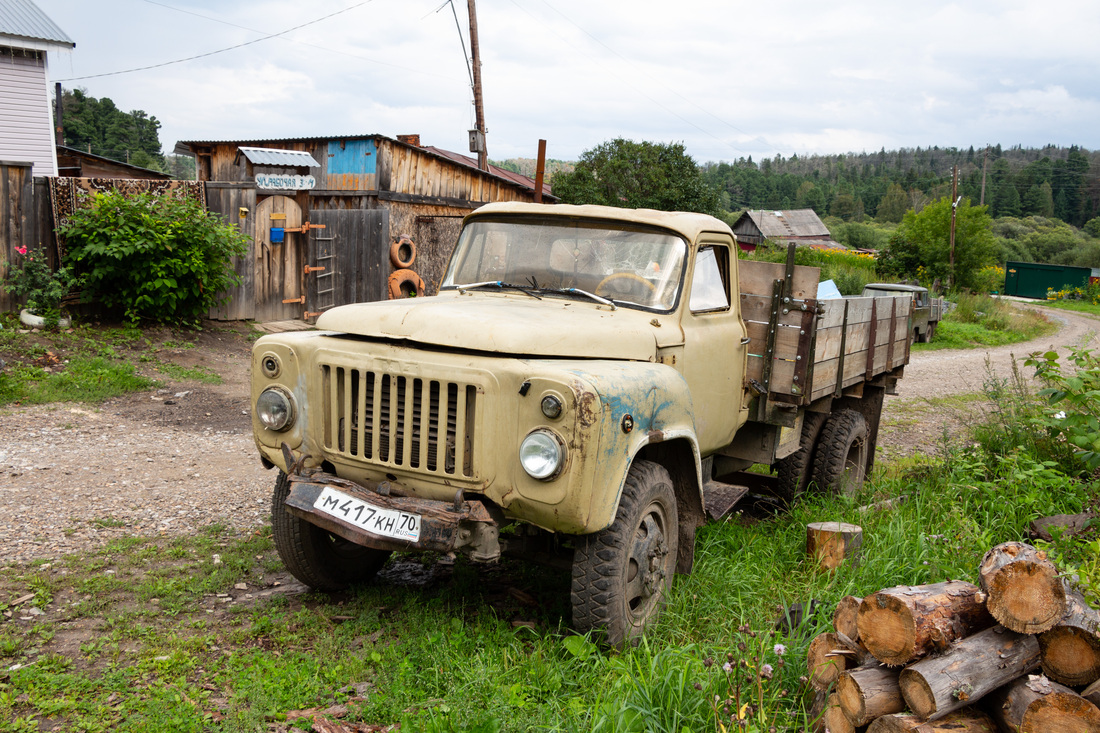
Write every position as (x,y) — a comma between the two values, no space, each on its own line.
(420,405)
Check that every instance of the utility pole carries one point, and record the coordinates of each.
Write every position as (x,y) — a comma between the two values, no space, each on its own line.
(59,125)
(478,138)
(954,206)
(985,161)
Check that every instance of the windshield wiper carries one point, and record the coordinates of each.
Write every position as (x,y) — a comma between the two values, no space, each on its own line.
(498,284)
(578,291)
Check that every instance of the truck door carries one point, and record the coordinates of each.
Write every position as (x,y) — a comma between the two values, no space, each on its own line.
(714,355)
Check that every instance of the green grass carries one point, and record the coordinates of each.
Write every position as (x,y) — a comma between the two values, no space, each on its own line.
(1077,306)
(90,379)
(195,374)
(979,321)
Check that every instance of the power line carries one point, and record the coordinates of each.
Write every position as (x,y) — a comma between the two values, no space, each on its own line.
(221,50)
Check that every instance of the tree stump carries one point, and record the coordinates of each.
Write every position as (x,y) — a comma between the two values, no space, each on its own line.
(1024,591)
(1035,704)
(967,720)
(1071,650)
(845,617)
(866,693)
(904,623)
(827,658)
(831,543)
(972,668)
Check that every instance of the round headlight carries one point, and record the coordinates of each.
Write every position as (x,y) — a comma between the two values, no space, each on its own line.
(275,409)
(541,455)
(551,406)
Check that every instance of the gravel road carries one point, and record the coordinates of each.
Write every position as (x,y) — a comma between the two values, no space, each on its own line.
(172,461)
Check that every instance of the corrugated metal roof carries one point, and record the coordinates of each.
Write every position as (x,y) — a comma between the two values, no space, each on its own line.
(24,19)
(790,223)
(517,178)
(276,156)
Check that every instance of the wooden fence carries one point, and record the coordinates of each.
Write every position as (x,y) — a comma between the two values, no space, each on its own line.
(25,221)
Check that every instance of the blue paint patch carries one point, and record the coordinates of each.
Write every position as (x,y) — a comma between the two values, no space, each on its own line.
(354,157)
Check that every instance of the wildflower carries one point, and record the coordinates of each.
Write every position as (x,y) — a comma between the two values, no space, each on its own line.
(779,650)
(766,671)
(1060,415)
(21,250)
(727,667)
(708,662)
(697,686)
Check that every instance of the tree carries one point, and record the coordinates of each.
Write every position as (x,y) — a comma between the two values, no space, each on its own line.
(636,175)
(99,127)
(922,240)
(893,205)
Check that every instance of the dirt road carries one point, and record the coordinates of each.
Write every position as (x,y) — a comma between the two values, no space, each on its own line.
(182,457)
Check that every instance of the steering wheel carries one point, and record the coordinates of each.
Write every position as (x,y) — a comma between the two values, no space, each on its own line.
(625,276)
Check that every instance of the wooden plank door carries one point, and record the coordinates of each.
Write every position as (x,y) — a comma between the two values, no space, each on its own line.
(278,265)
(353,249)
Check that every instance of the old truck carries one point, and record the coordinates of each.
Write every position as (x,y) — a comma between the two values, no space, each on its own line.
(587,385)
(927,311)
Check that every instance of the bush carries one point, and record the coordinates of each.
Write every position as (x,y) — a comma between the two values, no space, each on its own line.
(153,258)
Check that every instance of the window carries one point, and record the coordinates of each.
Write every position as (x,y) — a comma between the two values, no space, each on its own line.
(709,291)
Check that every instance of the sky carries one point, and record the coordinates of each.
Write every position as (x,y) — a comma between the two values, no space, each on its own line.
(728,79)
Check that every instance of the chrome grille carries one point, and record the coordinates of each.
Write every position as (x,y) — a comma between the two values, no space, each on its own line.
(426,425)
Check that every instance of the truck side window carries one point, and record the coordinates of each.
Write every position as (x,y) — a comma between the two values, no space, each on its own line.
(709,291)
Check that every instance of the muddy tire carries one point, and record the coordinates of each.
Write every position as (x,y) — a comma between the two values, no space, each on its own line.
(931,331)
(622,574)
(315,556)
(795,470)
(840,464)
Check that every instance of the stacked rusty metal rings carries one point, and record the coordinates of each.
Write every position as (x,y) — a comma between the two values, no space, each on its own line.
(403,281)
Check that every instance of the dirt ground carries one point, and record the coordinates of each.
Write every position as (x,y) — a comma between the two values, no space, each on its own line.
(180,457)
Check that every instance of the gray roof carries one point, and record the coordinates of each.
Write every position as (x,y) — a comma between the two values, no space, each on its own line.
(790,223)
(275,156)
(22,19)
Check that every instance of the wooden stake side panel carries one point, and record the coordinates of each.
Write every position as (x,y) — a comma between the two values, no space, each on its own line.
(891,348)
(757,278)
(756,310)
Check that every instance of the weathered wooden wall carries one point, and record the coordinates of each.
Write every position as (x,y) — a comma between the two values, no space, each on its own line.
(227,200)
(26,220)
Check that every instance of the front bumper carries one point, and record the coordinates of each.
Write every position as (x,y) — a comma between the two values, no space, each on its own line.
(466,525)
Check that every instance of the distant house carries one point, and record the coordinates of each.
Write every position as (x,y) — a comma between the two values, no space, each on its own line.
(26,116)
(801,226)
(365,190)
(74,163)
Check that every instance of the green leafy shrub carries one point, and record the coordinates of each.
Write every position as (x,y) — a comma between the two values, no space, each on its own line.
(153,258)
(43,287)
(1077,397)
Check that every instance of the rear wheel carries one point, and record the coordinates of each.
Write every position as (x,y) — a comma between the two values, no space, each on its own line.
(931,331)
(841,460)
(621,575)
(794,471)
(315,556)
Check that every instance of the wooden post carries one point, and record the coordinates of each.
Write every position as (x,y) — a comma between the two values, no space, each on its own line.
(540,171)
(479,103)
(866,693)
(1035,704)
(1024,591)
(904,623)
(1070,651)
(973,667)
(831,543)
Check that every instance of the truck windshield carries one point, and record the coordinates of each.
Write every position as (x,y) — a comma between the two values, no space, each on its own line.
(636,267)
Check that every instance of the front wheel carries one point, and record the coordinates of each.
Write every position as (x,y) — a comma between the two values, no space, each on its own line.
(315,556)
(622,574)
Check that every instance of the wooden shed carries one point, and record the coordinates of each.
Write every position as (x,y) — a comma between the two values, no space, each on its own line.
(337,204)
(75,163)
(801,226)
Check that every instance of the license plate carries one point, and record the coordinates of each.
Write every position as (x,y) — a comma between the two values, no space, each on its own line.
(376,520)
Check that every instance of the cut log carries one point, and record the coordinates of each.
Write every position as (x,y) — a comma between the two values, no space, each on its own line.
(827,658)
(831,543)
(1071,650)
(845,617)
(817,710)
(1035,704)
(865,693)
(834,718)
(1024,591)
(1092,693)
(967,720)
(898,625)
(972,668)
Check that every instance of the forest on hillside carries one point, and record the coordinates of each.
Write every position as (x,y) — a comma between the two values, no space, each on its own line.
(1050,182)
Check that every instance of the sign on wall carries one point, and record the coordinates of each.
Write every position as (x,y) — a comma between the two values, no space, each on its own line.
(283,182)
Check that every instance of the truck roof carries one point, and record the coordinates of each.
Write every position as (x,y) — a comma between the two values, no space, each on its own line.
(896,286)
(688,224)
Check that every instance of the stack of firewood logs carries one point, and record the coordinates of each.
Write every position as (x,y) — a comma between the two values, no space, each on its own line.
(1021,653)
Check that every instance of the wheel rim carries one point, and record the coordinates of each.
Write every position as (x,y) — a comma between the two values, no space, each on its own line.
(647,570)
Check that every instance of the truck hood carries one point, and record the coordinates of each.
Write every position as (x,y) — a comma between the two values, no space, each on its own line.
(503,323)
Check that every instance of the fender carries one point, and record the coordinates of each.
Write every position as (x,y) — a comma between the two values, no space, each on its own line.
(640,404)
